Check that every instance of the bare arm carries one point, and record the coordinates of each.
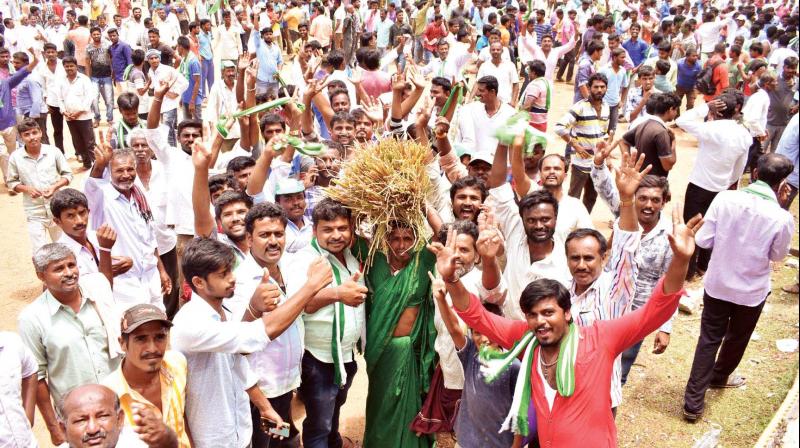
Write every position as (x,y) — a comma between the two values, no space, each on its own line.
(45,405)
(258,178)
(522,183)
(201,197)
(497,175)
(448,316)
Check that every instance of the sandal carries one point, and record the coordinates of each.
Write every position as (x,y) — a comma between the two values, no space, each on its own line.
(791,289)
(734,382)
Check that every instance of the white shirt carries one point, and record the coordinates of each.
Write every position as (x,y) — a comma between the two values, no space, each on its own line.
(486,56)
(351,89)
(169,30)
(87,263)
(778,56)
(227,43)
(52,80)
(318,325)
(157,195)
(477,128)
(222,101)
(77,96)
(298,237)
(132,31)
(754,113)
(167,73)
(218,372)
(507,77)
(708,35)
(56,35)
(179,172)
(278,364)
(520,271)
(722,148)
(16,363)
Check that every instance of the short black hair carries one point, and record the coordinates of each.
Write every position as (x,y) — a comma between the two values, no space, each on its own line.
(462,226)
(128,101)
(203,256)
(231,197)
(774,168)
(218,182)
(328,210)
(184,42)
(239,163)
(137,56)
(26,125)
(342,115)
(442,82)
(468,182)
(653,181)
(335,58)
(537,68)
(535,198)
(65,199)
(597,77)
(489,82)
(190,123)
(263,210)
(578,234)
(272,118)
(543,289)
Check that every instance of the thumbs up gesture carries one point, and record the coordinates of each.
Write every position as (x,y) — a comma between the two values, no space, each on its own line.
(266,296)
(351,293)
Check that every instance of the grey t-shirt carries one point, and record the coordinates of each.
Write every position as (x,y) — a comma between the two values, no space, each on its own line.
(483,406)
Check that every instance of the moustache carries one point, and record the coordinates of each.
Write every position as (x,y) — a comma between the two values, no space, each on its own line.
(152,355)
(99,435)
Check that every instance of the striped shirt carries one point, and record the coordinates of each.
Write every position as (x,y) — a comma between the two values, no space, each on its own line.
(611,295)
(586,129)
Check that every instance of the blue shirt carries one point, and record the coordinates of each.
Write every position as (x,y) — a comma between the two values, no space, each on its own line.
(542,30)
(788,146)
(585,71)
(29,98)
(195,76)
(8,116)
(120,59)
(616,82)
(204,46)
(637,49)
(687,74)
(269,57)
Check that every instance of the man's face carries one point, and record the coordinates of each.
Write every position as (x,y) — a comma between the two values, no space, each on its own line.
(294,205)
(399,18)
(242,176)
(123,173)
(267,35)
(383,14)
(206,27)
(479,169)
(231,219)
(620,59)
(153,38)
(145,346)
(61,276)
(334,236)
(92,421)
(229,74)
(401,241)
(117,21)
(101,21)
(4,58)
(32,137)
(443,49)
(268,240)
(634,30)
(69,68)
(343,132)
(789,72)
(18,63)
(363,127)
(271,130)
(531,161)
(496,50)
(141,150)
(548,321)
(303,30)
(547,43)
(73,221)
(649,202)
(187,137)
(553,172)
(163,14)
(219,284)
(539,222)
(484,95)
(539,16)
(646,82)
(466,254)
(137,14)
(113,37)
(692,58)
(439,95)
(466,203)
(453,28)
(584,260)
(130,116)
(340,102)
(492,39)
(328,163)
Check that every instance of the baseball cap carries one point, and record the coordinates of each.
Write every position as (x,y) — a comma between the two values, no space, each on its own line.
(740,17)
(289,186)
(228,64)
(482,156)
(138,315)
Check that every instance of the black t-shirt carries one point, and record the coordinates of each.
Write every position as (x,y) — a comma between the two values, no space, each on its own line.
(652,139)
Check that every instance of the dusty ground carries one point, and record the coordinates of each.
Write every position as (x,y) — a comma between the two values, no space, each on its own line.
(650,416)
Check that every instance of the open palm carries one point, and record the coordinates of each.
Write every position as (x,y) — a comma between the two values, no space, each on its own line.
(682,237)
(445,256)
(630,173)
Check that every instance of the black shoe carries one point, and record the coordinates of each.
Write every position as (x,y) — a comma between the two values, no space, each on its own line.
(692,417)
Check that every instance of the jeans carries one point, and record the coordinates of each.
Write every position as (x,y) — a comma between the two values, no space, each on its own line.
(726,324)
(323,399)
(207,78)
(105,89)
(690,95)
(283,406)
(170,119)
(775,134)
(581,181)
(628,358)
(58,127)
(188,115)
(426,56)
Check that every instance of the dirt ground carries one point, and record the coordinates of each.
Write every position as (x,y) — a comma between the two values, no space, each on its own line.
(20,286)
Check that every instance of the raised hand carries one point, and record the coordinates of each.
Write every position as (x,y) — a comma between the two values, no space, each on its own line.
(490,240)
(373,108)
(201,154)
(446,256)
(106,236)
(266,296)
(416,77)
(629,174)
(356,76)
(601,153)
(681,240)
(351,292)
(320,273)
(437,287)
(399,81)
(102,150)
(163,87)
(244,61)
(441,126)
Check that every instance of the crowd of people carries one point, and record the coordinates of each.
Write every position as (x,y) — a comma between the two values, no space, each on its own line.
(198,279)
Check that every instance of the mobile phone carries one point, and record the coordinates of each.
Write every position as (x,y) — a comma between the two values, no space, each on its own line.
(272,428)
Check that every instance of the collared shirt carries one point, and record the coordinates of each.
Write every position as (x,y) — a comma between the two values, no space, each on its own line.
(611,295)
(222,101)
(318,325)
(30,97)
(40,173)
(172,377)
(166,73)
(135,236)
(278,364)
(298,237)
(120,59)
(788,146)
(506,74)
(180,172)
(52,79)
(477,128)
(722,148)
(754,113)
(72,349)
(77,96)
(586,128)
(218,372)
(227,42)
(16,363)
(519,273)
(156,194)
(635,96)
(742,226)
(204,40)
(87,261)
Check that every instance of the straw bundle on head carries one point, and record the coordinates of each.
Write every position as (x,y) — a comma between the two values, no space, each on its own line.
(385,183)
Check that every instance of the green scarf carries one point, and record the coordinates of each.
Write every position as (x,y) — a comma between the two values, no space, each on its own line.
(123,129)
(337,329)
(457,95)
(761,189)
(126,74)
(498,362)
(547,86)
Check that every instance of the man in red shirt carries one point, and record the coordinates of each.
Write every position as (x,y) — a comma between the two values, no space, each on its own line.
(720,75)
(430,37)
(580,412)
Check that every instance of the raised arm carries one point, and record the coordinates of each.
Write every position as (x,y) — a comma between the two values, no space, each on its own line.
(497,175)
(448,316)
(522,183)
(201,197)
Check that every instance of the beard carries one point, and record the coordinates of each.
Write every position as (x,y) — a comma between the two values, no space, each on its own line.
(540,237)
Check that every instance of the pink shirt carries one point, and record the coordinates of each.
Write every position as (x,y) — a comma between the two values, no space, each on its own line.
(376,82)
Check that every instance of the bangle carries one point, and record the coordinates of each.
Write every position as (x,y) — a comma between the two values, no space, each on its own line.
(103,249)
(627,203)
(251,90)
(251,311)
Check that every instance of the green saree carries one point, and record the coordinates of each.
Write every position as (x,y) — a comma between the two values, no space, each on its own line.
(399,368)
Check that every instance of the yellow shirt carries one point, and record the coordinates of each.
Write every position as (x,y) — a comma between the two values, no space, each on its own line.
(505,36)
(173,394)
